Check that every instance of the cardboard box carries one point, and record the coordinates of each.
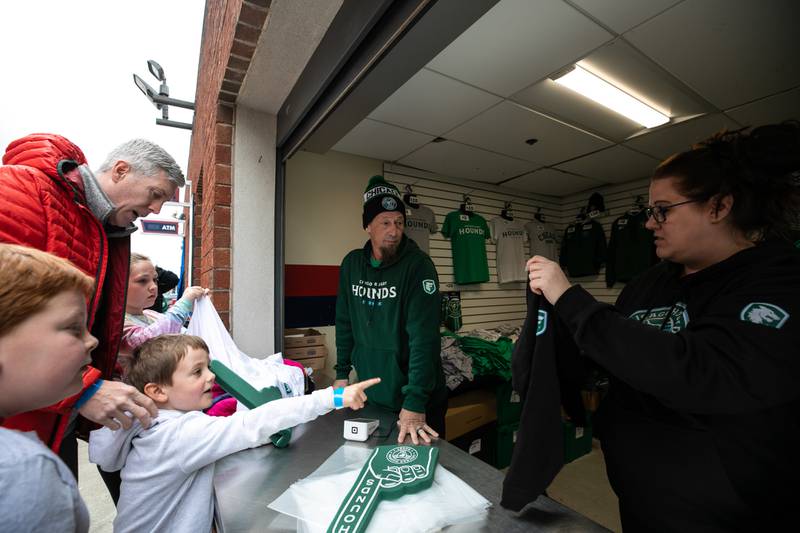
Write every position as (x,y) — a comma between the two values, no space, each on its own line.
(591,400)
(470,411)
(293,338)
(310,356)
(317,363)
(305,352)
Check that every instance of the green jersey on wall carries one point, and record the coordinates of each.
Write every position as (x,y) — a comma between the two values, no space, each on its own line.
(468,233)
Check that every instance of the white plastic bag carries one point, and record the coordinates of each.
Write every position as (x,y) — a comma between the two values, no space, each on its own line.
(315,500)
(260,373)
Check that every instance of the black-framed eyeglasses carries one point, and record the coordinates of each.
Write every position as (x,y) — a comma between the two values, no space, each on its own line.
(659,212)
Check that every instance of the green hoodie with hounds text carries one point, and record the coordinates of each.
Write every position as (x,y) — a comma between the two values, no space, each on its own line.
(387,326)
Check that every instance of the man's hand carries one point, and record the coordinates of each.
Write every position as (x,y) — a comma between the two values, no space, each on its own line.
(116,404)
(413,424)
(354,396)
(340,384)
(547,278)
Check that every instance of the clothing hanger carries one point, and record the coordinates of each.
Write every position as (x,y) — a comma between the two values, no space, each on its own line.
(507,212)
(409,198)
(466,206)
(638,205)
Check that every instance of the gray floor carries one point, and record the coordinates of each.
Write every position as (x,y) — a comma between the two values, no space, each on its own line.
(581,485)
(101,508)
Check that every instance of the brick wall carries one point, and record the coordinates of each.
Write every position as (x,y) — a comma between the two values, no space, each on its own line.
(231,30)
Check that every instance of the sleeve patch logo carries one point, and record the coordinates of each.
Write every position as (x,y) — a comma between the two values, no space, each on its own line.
(764,314)
(541,323)
(670,319)
(429,286)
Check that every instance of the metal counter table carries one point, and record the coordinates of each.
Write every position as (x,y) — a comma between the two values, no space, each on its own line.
(246,482)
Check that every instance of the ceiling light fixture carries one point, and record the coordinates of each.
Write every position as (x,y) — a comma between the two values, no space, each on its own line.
(596,88)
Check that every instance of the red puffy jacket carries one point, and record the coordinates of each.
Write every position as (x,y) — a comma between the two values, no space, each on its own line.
(42,205)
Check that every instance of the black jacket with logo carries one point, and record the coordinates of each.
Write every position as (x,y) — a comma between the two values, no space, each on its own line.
(701,427)
(631,248)
(547,372)
(583,249)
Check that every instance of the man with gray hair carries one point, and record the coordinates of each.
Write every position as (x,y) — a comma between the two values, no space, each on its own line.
(131,199)
(51,201)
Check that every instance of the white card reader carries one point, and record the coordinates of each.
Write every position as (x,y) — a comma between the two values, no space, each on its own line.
(359,428)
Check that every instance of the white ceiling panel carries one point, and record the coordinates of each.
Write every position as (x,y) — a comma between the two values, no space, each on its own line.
(517,43)
(637,75)
(773,109)
(454,159)
(552,182)
(615,165)
(664,142)
(380,141)
(622,15)
(433,103)
(505,127)
(731,52)
(573,108)
(628,69)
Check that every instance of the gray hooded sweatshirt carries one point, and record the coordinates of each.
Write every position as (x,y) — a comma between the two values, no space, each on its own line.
(168,469)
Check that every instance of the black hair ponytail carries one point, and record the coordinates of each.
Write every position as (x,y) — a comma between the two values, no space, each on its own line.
(759,167)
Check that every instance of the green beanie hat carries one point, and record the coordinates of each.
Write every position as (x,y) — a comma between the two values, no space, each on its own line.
(380,196)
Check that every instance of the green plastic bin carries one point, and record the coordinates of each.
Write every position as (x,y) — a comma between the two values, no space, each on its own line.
(577,440)
(504,447)
(509,406)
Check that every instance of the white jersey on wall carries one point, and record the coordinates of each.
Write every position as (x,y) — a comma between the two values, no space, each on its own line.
(509,235)
(542,239)
(420,223)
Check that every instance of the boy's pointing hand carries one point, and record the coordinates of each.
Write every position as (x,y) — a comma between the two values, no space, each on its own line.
(354,396)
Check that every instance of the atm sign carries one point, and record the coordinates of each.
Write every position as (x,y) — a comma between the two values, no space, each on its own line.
(157,226)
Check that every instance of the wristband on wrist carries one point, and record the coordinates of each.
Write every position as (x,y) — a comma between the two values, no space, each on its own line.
(338,400)
(88,393)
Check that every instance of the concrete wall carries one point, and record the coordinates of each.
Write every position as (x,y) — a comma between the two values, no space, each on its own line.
(252,225)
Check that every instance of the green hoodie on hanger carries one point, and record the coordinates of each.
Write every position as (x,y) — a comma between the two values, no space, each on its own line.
(387,326)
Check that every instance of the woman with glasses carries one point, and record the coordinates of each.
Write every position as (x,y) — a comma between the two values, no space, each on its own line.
(701,426)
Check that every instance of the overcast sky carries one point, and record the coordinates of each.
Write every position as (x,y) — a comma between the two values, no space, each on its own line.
(67,68)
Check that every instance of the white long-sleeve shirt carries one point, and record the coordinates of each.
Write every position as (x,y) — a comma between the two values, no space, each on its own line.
(37,490)
(168,469)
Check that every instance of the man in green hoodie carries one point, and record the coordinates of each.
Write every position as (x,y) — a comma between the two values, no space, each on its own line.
(387,319)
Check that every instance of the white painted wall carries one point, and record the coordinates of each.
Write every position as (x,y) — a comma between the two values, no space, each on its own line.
(324,201)
(253,232)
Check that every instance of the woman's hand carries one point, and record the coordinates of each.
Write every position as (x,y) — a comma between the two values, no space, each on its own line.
(546,278)
(354,396)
